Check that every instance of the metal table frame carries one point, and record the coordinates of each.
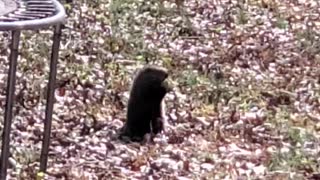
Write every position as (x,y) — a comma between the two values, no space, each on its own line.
(16,27)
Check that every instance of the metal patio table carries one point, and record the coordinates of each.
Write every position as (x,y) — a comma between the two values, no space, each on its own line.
(15,16)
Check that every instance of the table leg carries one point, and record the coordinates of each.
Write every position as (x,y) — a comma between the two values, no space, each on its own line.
(50,98)
(5,149)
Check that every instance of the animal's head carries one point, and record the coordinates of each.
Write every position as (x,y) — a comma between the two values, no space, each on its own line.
(153,80)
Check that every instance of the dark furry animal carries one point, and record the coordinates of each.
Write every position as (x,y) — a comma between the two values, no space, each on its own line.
(144,114)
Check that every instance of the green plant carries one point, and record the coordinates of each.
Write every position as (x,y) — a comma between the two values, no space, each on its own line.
(242,16)
(282,23)
(293,161)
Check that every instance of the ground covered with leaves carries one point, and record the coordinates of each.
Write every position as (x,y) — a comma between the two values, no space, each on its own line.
(245,104)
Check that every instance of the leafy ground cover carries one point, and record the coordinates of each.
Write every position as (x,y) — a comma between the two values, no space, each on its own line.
(246,102)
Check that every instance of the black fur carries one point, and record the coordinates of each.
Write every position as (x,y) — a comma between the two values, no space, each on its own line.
(144,107)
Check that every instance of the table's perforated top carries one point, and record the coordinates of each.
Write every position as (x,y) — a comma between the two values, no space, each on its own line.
(7,6)
(30,14)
